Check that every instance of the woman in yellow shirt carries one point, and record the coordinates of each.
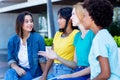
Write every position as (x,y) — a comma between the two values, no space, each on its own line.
(82,42)
(62,45)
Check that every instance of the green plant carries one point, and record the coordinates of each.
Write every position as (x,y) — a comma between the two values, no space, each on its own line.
(117,40)
(48,41)
(114,28)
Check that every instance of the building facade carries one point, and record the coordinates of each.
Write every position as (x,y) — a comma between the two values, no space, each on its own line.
(9,10)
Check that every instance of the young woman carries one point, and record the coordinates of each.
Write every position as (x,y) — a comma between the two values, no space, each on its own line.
(103,56)
(82,42)
(62,45)
(23,47)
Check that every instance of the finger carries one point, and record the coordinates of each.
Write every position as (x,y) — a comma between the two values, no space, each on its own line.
(24,72)
(20,73)
(42,54)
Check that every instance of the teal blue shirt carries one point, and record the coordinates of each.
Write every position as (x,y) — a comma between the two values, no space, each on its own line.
(83,47)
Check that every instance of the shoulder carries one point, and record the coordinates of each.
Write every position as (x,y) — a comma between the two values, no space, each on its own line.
(102,35)
(35,35)
(57,34)
(77,34)
(91,33)
(75,31)
(14,38)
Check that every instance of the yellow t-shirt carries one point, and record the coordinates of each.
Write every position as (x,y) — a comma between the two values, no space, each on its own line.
(64,46)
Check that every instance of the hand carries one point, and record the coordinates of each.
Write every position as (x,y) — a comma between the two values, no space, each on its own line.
(20,71)
(50,54)
(65,76)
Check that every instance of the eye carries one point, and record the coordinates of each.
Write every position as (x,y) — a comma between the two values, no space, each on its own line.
(31,20)
(26,21)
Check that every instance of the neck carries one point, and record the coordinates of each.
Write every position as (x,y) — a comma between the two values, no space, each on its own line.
(95,29)
(68,31)
(26,35)
(83,30)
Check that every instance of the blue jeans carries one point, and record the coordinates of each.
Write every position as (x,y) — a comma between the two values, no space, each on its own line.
(58,69)
(76,78)
(11,74)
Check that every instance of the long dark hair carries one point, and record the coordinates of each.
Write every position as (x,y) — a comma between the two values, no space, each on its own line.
(20,21)
(66,13)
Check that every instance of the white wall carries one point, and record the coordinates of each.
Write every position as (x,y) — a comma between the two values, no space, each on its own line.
(7,27)
(7,24)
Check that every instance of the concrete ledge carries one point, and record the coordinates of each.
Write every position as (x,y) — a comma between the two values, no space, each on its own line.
(36,78)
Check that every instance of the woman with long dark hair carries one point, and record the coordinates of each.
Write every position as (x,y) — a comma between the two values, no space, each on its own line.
(23,48)
(62,45)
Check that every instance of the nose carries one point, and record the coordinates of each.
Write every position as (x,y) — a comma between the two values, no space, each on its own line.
(71,17)
(58,20)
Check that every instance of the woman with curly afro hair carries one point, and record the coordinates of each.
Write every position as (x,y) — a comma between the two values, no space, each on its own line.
(103,57)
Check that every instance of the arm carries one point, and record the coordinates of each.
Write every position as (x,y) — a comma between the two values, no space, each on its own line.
(105,69)
(70,64)
(83,72)
(46,70)
(43,66)
(18,69)
(11,59)
(52,55)
(42,60)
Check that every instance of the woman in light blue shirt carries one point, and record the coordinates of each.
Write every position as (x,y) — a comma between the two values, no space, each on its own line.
(103,57)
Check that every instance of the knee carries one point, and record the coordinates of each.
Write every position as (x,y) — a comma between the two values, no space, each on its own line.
(27,76)
(10,74)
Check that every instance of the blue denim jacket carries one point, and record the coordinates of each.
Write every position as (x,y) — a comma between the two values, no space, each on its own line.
(35,43)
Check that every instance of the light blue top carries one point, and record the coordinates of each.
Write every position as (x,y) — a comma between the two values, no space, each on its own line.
(82,47)
(105,46)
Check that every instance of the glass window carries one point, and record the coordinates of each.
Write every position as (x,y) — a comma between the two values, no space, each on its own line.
(43,28)
(116,14)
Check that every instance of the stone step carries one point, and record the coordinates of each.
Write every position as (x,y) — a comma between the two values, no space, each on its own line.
(3,63)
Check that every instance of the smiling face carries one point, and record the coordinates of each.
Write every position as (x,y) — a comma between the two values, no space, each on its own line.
(74,18)
(28,24)
(61,22)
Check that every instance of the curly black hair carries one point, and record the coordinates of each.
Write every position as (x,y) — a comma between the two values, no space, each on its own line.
(101,11)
